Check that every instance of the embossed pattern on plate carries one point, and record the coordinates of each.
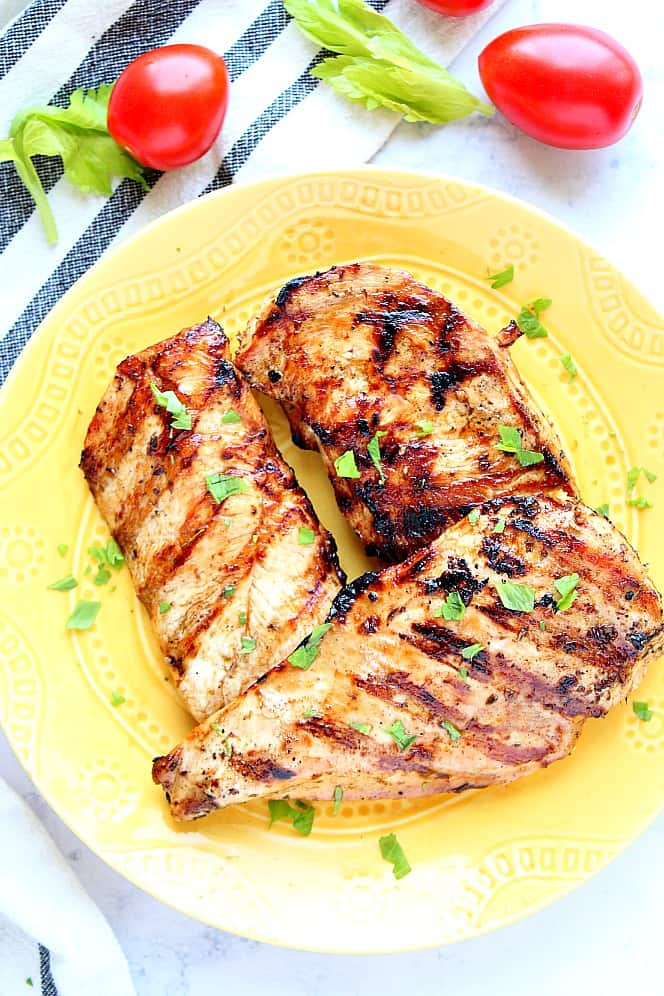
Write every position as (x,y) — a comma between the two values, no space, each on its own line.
(479,860)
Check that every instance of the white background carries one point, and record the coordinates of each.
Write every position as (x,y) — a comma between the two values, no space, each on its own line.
(606,937)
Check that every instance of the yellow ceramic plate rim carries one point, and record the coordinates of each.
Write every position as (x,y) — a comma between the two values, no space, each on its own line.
(364,176)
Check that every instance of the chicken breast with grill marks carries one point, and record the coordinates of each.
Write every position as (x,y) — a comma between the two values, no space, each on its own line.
(364,352)
(241,575)
(481,691)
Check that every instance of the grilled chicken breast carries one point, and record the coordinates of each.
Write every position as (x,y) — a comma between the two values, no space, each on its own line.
(364,352)
(481,692)
(243,581)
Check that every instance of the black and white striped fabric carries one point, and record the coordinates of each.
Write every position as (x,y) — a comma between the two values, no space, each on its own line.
(280,119)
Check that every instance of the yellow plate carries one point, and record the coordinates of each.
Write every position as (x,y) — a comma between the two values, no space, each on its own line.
(479,860)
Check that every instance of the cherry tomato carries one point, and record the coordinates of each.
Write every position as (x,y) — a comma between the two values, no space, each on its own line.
(168,105)
(563,84)
(457,8)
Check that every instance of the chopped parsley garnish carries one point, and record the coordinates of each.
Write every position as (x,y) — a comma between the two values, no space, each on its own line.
(170,401)
(338,799)
(463,673)
(642,711)
(516,597)
(373,449)
(505,276)
(302,817)
(64,584)
(108,556)
(229,591)
(398,733)
(248,644)
(632,477)
(225,740)
(29,982)
(511,442)
(345,465)
(230,418)
(452,608)
(565,587)
(451,729)
(62,548)
(639,503)
(307,653)
(117,698)
(103,575)
(305,536)
(603,510)
(312,714)
(542,624)
(83,615)
(222,486)
(473,516)
(392,851)
(425,427)
(471,652)
(164,607)
(569,364)
(364,728)
(242,618)
(499,526)
(528,319)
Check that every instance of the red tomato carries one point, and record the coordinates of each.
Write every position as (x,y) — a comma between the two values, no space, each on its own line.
(563,84)
(457,8)
(168,105)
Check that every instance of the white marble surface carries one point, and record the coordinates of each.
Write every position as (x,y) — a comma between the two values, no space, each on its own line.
(605,937)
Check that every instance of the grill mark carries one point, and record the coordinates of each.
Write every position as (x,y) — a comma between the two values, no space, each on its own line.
(389,321)
(424,522)
(501,559)
(454,375)
(551,462)
(288,289)
(527,505)
(259,769)
(400,681)
(437,641)
(383,522)
(349,594)
(224,375)
(194,808)
(340,734)
(528,527)
(408,761)
(451,323)
(457,577)
(419,564)
(504,752)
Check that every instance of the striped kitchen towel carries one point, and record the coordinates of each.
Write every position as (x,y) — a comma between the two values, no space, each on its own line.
(280,119)
(41,900)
